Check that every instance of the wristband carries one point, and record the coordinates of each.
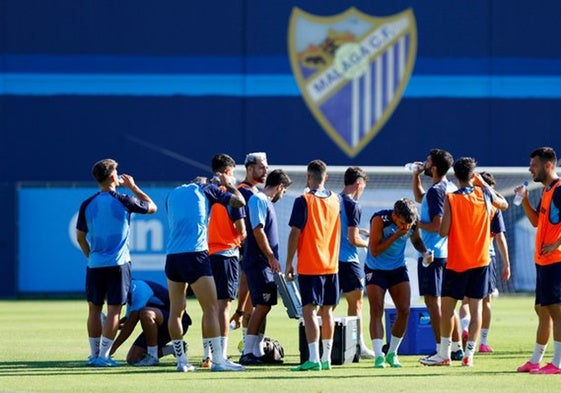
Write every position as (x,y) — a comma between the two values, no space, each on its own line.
(240,312)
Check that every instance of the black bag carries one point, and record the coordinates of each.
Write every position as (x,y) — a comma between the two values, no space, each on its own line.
(274,352)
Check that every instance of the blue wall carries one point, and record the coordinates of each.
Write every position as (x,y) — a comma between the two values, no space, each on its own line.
(164,86)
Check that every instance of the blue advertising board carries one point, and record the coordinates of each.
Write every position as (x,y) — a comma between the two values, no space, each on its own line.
(50,259)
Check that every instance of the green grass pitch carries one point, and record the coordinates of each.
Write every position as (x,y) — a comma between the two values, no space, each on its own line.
(43,345)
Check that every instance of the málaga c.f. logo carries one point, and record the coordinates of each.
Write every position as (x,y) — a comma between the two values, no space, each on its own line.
(352,70)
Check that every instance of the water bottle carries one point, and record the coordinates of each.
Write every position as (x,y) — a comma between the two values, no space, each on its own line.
(429,254)
(520,194)
(412,167)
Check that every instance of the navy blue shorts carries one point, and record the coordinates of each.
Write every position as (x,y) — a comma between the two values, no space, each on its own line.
(351,277)
(188,266)
(112,282)
(473,283)
(430,277)
(163,332)
(226,272)
(319,290)
(261,284)
(386,279)
(548,284)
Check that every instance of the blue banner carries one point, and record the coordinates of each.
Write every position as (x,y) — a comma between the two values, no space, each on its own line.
(50,259)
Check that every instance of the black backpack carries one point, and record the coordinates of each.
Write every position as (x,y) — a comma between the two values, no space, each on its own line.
(274,352)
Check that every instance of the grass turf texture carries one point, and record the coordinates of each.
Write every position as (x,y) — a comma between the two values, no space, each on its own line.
(43,346)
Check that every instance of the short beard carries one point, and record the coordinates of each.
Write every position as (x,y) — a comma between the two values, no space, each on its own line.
(275,197)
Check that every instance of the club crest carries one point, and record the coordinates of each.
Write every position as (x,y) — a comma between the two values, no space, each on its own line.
(352,70)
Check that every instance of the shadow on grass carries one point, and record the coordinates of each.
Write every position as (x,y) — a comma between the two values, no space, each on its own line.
(45,368)
(22,368)
(50,368)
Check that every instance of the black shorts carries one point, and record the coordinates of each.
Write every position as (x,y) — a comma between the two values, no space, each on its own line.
(430,277)
(319,290)
(386,279)
(226,272)
(473,283)
(351,277)
(111,282)
(548,284)
(188,267)
(261,284)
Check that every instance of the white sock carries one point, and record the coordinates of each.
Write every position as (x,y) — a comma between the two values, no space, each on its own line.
(250,340)
(327,346)
(445,347)
(105,347)
(465,323)
(206,350)
(313,350)
(394,344)
(377,345)
(539,351)
(437,347)
(167,350)
(94,346)
(215,350)
(152,351)
(484,334)
(180,354)
(470,349)
(224,343)
(556,354)
(258,346)
(456,346)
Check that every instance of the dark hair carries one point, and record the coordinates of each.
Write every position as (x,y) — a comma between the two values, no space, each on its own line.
(222,161)
(489,178)
(352,174)
(442,160)
(317,169)
(464,168)
(276,177)
(405,209)
(545,154)
(103,169)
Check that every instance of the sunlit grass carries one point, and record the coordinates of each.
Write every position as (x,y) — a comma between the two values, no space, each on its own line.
(43,345)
